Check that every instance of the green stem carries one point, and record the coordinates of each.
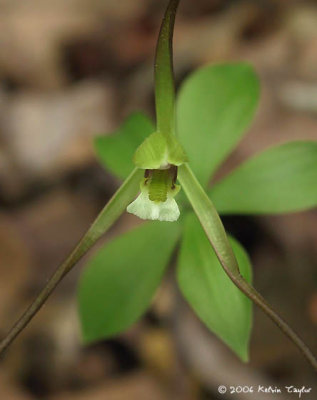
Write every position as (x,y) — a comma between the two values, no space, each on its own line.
(216,234)
(164,78)
(111,212)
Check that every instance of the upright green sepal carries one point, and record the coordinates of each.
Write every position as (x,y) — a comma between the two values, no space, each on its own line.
(164,79)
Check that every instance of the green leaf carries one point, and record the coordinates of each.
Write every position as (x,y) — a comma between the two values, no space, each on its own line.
(117,286)
(216,300)
(116,151)
(215,106)
(281,179)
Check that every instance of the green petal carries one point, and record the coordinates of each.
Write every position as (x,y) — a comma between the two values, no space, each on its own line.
(176,153)
(280,179)
(118,285)
(215,106)
(152,153)
(158,151)
(224,309)
(116,151)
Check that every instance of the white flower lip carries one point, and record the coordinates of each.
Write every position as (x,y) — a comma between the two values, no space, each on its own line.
(144,208)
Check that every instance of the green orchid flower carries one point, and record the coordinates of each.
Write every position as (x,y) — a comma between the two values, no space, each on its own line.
(192,137)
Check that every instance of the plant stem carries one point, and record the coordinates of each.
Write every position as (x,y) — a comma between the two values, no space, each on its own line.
(110,213)
(216,234)
(163,68)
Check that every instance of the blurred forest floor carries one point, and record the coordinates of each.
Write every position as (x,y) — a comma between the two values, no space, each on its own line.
(72,69)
